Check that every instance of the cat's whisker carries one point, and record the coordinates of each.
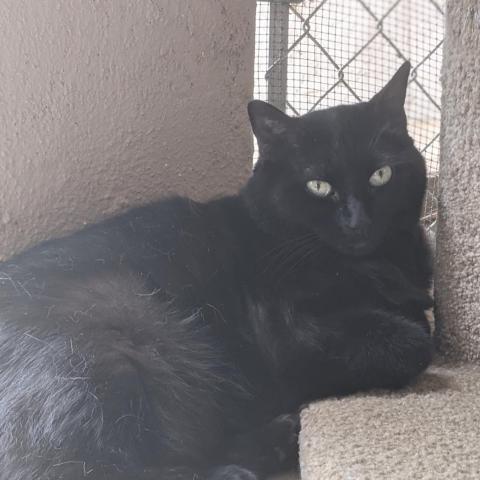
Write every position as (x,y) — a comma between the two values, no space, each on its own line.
(284,256)
(307,252)
(281,256)
(292,259)
(287,243)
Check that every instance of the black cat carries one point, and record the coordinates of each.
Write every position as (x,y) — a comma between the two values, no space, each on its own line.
(179,340)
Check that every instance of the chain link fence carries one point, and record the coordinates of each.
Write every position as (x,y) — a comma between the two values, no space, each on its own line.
(313,54)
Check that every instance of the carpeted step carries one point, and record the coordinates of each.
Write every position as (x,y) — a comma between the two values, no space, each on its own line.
(429,431)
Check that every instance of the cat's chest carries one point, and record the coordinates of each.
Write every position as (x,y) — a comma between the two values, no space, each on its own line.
(310,285)
(323,288)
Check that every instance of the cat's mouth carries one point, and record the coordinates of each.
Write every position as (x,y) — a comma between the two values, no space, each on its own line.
(357,248)
(363,248)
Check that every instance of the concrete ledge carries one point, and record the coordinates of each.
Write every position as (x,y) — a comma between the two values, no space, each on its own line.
(429,431)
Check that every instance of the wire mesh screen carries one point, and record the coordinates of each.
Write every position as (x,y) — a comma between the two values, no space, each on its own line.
(314,54)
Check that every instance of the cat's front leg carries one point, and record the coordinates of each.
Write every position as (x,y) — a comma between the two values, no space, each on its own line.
(372,348)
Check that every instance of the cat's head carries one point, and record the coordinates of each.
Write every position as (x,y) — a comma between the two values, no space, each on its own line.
(350,173)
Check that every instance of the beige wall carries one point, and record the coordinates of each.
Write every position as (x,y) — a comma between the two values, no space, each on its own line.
(110,103)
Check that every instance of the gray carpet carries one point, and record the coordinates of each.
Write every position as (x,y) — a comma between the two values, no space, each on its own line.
(429,431)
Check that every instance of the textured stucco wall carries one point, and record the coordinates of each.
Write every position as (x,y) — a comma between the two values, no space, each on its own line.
(108,104)
(457,278)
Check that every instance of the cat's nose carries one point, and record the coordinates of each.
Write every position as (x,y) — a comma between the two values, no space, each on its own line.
(353,219)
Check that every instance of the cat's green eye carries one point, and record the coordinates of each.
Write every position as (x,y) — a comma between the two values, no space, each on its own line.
(381,176)
(319,188)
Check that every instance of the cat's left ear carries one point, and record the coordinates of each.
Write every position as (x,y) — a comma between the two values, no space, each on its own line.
(392,96)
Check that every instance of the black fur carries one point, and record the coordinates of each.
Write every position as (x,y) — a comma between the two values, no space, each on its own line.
(180,339)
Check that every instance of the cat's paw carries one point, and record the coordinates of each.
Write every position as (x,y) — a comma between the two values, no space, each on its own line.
(231,472)
(269,448)
(393,351)
(283,434)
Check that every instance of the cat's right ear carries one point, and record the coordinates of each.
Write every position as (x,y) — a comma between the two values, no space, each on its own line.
(269,124)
